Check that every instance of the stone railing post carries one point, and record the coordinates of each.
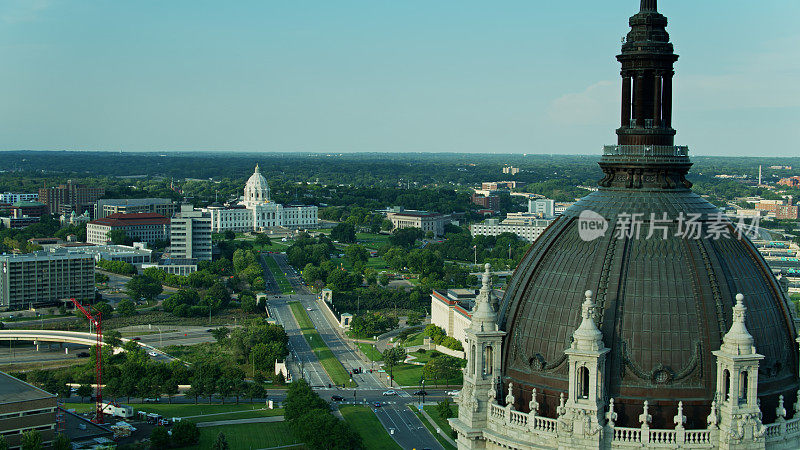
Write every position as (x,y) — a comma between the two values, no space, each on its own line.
(679,420)
(645,418)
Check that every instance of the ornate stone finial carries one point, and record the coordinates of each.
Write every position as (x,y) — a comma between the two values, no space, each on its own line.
(611,415)
(797,403)
(679,419)
(738,341)
(713,418)
(587,336)
(780,411)
(645,418)
(510,396)
(257,169)
(493,393)
(533,405)
(562,408)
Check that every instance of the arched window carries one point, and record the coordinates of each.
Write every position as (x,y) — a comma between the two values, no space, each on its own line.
(583,382)
(726,385)
(743,386)
(472,359)
(487,360)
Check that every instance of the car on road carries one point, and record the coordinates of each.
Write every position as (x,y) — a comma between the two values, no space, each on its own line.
(389,392)
(150,400)
(83,355)
(152,353)
(337,398)
(137,338)
(377,404)
(309,309)
(453,393)
(421,392)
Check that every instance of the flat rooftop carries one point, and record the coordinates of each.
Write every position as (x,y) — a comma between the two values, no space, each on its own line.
(13,390)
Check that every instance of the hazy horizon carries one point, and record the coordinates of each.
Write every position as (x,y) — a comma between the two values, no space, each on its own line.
(368,77)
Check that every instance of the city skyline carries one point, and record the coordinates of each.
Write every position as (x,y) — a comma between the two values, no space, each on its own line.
(365,77)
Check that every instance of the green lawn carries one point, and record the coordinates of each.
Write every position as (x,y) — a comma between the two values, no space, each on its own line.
(421,357)
(441,421)
(370,351)
(332,366)
(280,277)
(364,422)
(373,241)
(240,411)
(414,339)
(249,436)
(410,375)
(374,263)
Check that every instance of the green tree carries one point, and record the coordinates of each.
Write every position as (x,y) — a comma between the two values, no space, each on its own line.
(392,357)
(61,442)
(112,338)
(126,308)
(217,296)
(221,443)
(445,409)
(84,391)
(263,240)
(256,390)
(356,254)
(3,443)
(441,368)
(119,237)
(185,433)
(31,440)
(160,438)
(140,286)
(344,232)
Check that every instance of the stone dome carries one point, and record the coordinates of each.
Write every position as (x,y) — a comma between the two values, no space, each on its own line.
(256,190)
(663,305)
(664,297)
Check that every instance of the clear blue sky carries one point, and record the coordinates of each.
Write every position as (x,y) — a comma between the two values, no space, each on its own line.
(514,76)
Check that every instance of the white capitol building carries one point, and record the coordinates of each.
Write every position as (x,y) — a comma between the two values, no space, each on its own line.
(256,212)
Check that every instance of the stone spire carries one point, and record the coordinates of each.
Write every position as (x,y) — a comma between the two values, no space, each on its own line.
(484,317)
(587,336)
(738,341)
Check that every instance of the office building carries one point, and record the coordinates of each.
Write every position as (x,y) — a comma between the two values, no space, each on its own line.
(65,198)
(45,277)
(9,197)
(544,207)
(141,227)
(108,206)
(489,201)
(24,407)
(190,234)
(424,220)
(525,226)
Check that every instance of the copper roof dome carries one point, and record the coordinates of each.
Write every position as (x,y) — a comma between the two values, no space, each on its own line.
(664,301)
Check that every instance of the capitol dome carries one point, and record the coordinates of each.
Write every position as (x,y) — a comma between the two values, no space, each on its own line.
(256,190)
(665,266)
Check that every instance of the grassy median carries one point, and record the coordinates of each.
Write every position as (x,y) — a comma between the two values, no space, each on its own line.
(332,366)
(366,424)
(277,273)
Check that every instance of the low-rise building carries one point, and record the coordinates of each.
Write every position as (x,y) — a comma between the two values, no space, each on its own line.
(137,254)
(28,208)
(108,206)
(24,407)
(183,267)
(791,181)
(9,197)
(487,201)
(45,277)
(18,222)
(525,226)
(141,227)
(424,220)
(544,207)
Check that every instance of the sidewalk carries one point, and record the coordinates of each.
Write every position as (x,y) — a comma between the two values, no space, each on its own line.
(240,421)
(436,426)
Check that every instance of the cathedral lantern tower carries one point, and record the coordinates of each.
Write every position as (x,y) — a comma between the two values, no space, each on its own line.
(647,58)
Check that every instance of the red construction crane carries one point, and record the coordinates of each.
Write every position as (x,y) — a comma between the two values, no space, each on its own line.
(98,361)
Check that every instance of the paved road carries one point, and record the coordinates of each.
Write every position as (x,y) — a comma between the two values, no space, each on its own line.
(302,362)
(402,424)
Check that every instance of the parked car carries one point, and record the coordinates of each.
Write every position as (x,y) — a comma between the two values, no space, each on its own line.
(453,393)
(150,400)
(389,392)
(337,398)
(421,392)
